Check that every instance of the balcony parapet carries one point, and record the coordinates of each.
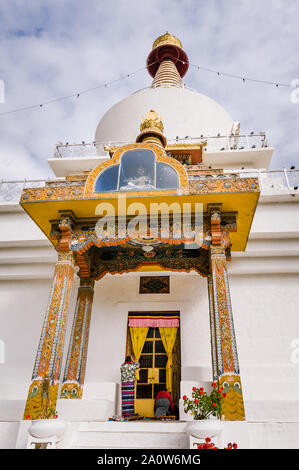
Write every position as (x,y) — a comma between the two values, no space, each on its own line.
(270,182)
(218,143)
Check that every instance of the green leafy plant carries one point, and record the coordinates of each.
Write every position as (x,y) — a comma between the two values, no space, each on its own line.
(203,404)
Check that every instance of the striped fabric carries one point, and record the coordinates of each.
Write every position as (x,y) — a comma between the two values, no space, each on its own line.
(128,398)
(154,319)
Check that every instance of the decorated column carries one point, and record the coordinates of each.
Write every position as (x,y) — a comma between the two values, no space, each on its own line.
(223,342)
(42,396)
(73,378)
(212,329)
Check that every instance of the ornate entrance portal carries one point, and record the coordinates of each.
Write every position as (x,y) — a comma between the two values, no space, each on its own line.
(157,349)
(124,217)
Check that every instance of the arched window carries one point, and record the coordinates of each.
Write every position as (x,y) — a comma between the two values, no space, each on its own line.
(167,177)
(138,170)
(107,181)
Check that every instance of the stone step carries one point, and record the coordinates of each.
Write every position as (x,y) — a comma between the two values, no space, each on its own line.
(130,435)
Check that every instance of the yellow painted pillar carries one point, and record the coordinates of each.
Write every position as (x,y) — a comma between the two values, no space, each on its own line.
(212,329)
(42,395)
(73,378)
(224,349)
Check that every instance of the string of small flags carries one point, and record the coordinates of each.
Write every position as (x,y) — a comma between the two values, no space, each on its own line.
(241,77)
(123,77)
(77,94)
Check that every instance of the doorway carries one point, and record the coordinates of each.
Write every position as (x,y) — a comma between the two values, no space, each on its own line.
(153,362)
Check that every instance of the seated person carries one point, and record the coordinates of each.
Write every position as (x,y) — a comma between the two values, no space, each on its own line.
(163,404)
(141,180)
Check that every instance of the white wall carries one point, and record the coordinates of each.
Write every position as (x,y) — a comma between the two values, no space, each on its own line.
(22,309)
(265,309)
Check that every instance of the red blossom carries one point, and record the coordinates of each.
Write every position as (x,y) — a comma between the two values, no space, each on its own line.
(214,384)
(194,388)
(224,395)
(214,404)
(184,397)
(235,445)
(195,401)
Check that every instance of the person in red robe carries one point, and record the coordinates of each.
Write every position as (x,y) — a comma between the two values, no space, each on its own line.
(163,404)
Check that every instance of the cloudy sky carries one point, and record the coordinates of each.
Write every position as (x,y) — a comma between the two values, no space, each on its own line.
(54,48)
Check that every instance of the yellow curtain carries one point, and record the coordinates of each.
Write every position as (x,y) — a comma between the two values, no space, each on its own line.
(138,336)
(168,336)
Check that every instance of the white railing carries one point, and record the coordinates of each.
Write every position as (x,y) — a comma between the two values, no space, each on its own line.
(10,191)
(215,143)
(274,182)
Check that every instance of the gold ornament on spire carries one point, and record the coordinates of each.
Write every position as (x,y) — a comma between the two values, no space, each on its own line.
(152,122)
(151,129)
(166,39)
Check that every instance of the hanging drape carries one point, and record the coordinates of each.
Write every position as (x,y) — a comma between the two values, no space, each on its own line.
(138,336)
(168,336)
(154,319)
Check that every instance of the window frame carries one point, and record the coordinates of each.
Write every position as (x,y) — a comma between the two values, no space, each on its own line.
(119,164)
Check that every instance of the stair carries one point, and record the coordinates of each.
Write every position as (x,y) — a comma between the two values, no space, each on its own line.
(130,435)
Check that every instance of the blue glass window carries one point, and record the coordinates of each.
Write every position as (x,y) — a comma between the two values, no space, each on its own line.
(167,177)
(107,181)
(138,170)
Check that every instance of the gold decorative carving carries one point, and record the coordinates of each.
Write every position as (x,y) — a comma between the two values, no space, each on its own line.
(152,122)
(161,157)
(49,353)
(166,39)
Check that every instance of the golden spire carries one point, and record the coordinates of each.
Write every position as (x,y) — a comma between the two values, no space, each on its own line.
(151,129)
(167,63)
(152,122)
(167,39)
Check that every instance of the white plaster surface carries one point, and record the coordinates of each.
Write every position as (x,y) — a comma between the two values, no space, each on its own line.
(184,113)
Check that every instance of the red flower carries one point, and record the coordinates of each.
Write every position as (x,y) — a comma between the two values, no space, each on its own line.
(184,397)
(27,417)
(194,388)
(219,391)
(201,388)
(235,446)
(201,392)
(224,395)
(214,384)
(208,439)
(195,401)
(214,404)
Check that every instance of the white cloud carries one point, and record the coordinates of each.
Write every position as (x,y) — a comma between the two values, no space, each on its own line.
(54,48)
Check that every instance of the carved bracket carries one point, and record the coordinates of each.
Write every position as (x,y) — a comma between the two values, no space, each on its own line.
(215,217)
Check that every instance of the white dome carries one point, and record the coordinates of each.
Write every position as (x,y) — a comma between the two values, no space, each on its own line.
(184,113)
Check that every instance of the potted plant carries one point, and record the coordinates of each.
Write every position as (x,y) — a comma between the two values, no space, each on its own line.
(208,444)
(206,409)
(46,424)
